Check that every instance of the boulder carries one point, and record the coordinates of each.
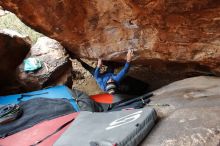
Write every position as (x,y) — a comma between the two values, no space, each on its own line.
(177,31)
(56,66)
(171,39)
(13,49)
(192,117)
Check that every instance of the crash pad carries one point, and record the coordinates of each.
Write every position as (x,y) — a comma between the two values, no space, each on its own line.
(33,112)
(31,135)
(106,98)
(121,128)
(60,91)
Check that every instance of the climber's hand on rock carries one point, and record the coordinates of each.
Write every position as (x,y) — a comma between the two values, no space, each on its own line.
(130,54)
(99,63)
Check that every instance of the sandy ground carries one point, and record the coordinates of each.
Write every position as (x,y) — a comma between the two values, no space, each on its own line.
(83,80)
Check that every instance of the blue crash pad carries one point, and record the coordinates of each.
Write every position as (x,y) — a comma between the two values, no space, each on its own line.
(52,92)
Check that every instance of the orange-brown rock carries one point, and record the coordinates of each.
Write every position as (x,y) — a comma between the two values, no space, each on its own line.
(13,49)
(162,32)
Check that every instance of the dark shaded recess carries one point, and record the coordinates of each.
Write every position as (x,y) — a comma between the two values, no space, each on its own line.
(133,86)
(157,73)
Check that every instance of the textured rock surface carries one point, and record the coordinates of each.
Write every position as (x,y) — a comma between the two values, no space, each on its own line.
(13,49)
(193,117)
(169,30)
(56,67)
(173,39)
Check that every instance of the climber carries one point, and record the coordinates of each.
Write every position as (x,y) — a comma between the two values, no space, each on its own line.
(108,81)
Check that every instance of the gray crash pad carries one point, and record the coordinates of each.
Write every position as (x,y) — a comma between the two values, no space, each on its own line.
(121,128)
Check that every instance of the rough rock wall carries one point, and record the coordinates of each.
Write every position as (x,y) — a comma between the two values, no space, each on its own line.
(56,67)
(13,49)
(177,32)
(192,117)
